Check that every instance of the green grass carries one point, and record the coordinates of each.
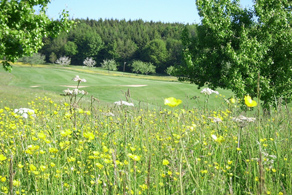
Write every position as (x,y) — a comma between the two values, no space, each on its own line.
(150,149)
(108,87)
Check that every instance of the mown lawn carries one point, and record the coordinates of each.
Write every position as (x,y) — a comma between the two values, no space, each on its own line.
(107,87)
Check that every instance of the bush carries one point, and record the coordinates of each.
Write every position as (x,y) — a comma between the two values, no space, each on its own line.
(89,62)
(63,60)
(36,58)
(143,67)
(53,57)
(170,70)
(109,65)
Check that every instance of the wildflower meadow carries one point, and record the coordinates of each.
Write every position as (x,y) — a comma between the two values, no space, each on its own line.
(82,146)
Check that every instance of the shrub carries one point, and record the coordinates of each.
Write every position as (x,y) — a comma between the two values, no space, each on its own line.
(36,58)
(170,70)
(89,62)
(63,60)
(53,57)
(143,67)
(109,64)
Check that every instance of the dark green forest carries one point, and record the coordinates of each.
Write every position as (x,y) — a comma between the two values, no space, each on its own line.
(124,41)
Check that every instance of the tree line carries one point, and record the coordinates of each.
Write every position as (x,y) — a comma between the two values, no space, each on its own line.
(124,41)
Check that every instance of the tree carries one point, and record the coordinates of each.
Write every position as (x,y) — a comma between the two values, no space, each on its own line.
(174,48)
(89,43)
(148,68)
(89,62)
(36,58)
(155,51)
(70,48)
(143,67)
(22,30)
(109,65)
(53,57)
(170,70)
(236,48)
(64,60)
(125,49)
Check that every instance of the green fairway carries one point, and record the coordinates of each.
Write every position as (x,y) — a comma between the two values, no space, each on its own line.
(107,87)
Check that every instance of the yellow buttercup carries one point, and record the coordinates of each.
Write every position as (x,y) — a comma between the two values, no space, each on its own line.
(172,102)
(249,102)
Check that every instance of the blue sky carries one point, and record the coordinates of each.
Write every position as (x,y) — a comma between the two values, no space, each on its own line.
(182,11)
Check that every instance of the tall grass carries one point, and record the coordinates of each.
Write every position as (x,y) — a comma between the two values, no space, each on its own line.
(128,150)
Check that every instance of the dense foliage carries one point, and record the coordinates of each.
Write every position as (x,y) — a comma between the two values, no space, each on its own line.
(244,50)
(121,40)
(22,29)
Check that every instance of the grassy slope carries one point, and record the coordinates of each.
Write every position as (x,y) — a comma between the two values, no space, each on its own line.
(107,87)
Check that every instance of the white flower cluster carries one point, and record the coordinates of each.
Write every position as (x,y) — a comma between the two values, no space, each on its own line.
(74,92)
(89,62)
(208,91)
(242,119)
(24,112)
(119,103)
(78,79)
(269,160)
(215,119)
(63,60)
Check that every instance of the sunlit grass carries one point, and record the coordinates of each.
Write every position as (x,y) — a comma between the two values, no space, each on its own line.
(110,149)
(108,88)
(97,147)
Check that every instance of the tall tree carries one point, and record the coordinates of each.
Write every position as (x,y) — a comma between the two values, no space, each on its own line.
(22,30)
(89,44)
(70,48)
(174,48)
(155,52)
(125,49)
(235,48)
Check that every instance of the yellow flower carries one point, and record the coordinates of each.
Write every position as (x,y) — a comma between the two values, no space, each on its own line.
(42,136)
(232,100)
(43,167)
(249,102)
(2,157)
(136,158)
(165,162)
(172,102)
(53,150)
(219,139)
(16,183)
(4,189)
(3,179)
(20,165)
(100,166)
(89,135)
(32,167)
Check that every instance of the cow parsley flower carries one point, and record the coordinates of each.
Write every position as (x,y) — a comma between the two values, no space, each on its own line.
(24,112)
(119,103)
(68,92)
(243,119)
(208,91)
(78,79)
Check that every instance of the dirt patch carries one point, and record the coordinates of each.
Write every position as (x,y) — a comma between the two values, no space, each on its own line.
(73,86)
(133,85)
(35,86)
